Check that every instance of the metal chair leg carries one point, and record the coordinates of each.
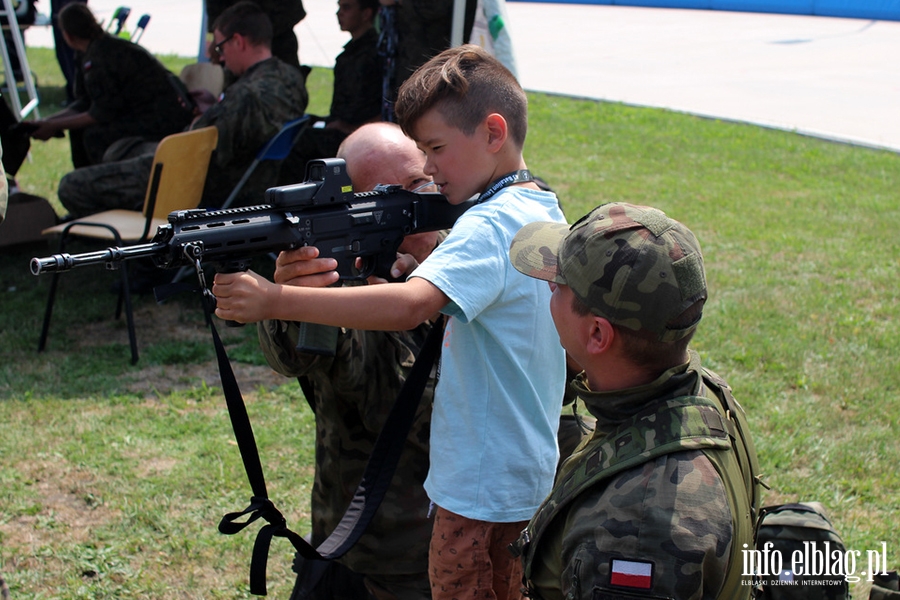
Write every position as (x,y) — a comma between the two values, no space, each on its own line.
(123,299)
(125,293)
(48,312)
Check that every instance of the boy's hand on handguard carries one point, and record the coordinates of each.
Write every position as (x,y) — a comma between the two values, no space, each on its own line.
(242,297)
(302,267)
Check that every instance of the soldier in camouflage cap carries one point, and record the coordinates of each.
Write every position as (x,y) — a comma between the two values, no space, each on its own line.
(661,499)
(630,264)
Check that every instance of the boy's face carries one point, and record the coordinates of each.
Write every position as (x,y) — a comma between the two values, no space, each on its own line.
(460,165)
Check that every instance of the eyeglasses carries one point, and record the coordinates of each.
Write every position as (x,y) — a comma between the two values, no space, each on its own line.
(218,47)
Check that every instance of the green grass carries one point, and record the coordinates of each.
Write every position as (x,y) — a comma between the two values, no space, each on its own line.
(113,477)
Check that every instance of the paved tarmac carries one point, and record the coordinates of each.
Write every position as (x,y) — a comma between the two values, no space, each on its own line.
(829,77)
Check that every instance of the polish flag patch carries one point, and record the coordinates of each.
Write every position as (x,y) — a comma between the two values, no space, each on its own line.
(631,573)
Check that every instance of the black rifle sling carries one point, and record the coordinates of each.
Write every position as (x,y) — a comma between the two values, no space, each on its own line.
(370,492)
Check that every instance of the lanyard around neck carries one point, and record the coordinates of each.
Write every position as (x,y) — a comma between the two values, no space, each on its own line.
(520,176)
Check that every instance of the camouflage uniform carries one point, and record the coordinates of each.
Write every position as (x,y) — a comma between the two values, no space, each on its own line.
(886,586)
(423,28)
(254,108)
(354,391)
(251,111)
(129,93)
(661,500)
(672,512)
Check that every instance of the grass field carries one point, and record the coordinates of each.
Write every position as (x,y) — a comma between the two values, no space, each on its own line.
(114,476)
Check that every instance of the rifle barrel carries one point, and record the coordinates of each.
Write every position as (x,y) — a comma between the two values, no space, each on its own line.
(111,256)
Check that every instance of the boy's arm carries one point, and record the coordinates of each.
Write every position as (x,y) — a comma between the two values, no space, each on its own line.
(248,297)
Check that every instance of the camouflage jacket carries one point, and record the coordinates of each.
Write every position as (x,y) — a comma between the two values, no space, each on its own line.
(129,92)
(653,506)
(250,112)
(354,391)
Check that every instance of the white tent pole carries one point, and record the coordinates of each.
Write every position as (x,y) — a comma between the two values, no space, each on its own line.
(459,21)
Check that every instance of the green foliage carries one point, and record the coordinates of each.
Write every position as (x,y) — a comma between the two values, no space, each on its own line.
(114,475)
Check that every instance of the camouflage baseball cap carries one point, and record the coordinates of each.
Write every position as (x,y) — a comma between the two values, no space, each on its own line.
(630,264)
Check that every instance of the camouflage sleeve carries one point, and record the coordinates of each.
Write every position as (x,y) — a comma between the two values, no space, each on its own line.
(243,127)
(662,529)
(278,341)
(344,370)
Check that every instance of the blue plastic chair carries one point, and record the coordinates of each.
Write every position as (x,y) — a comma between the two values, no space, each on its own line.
(276,148)
(118,20)
(139,30)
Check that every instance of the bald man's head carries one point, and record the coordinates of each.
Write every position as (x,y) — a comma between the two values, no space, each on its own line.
(381,153)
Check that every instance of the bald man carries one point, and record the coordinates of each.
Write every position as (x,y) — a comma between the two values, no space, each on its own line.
(353,390)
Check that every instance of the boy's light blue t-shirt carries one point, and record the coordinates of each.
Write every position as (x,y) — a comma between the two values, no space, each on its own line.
(498,400)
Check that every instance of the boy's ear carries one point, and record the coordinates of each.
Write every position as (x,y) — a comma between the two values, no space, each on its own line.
(497,131)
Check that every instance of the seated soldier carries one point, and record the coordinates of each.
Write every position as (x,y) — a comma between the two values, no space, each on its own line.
(266,94)
(284,14)
(127,92)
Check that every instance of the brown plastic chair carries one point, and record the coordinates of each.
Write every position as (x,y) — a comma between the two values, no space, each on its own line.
(176,183)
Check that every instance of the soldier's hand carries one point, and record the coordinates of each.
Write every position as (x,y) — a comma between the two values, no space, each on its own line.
(44,131)
(403,266)
(302,267)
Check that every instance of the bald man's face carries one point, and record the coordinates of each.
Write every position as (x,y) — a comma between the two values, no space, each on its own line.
(392,165)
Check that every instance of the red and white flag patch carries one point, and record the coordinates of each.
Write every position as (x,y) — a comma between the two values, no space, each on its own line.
(631,573)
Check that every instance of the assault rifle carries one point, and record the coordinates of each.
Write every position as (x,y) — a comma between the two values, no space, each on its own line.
(322,211)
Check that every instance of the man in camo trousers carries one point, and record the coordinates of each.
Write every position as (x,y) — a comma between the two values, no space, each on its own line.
(353,391)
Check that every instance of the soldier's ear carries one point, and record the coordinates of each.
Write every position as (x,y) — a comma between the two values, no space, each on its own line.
(601,335)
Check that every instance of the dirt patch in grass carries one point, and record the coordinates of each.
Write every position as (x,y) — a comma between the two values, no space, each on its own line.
(180,321)
(63,505)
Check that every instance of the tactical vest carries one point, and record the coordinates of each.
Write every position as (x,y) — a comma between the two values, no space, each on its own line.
(711,421)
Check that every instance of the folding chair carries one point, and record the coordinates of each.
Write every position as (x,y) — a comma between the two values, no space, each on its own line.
(276,148)
(139,30)
(176,182)
(118,20)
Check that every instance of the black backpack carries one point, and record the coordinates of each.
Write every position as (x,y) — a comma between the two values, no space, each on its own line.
(804,528)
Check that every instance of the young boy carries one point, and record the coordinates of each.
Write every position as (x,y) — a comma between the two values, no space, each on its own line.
(497,403)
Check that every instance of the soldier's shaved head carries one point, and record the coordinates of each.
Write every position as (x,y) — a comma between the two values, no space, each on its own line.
(381,153)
